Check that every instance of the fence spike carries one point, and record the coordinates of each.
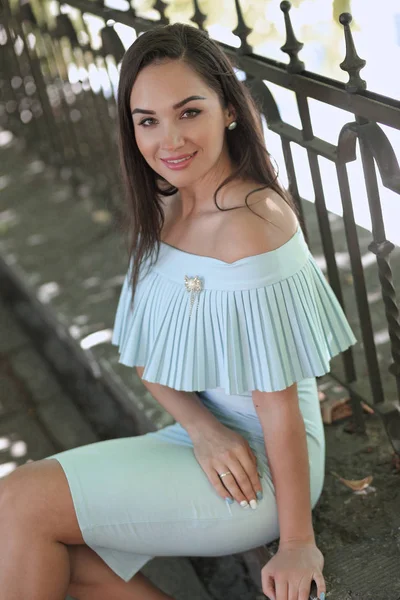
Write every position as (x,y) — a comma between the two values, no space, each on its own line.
(198,17)
(242,31)
(352,63)
(65,28)
(161,7)
(26,12)
(111,43)
(292,46)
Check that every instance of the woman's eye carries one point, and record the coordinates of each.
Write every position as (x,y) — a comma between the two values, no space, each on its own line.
(193,111)
(145,121)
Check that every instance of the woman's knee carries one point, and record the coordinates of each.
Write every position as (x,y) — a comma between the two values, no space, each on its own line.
(37,496)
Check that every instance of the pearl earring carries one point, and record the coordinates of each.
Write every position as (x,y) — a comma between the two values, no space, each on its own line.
(232,125)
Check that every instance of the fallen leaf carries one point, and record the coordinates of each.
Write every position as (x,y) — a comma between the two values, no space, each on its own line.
(355,484)
(368,490)
(368,409)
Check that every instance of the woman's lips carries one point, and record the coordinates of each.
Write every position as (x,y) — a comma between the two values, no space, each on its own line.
(182,164)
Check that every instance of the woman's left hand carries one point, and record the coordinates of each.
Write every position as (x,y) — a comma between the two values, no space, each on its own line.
(289,574)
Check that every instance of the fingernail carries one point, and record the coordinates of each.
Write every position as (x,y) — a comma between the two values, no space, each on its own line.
(229,500)
(244,504)
(322,596)
(253,504)
(260,495)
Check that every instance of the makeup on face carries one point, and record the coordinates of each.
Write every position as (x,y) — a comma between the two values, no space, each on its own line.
(178,122)
(181,160)
(179,163)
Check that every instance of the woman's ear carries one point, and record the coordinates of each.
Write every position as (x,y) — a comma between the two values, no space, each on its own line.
(230,114)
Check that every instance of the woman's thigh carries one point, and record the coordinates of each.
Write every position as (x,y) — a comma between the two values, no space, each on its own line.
(148,495)
(37,496)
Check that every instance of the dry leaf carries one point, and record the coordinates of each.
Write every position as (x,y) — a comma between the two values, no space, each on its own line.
(368,409)
(355,484)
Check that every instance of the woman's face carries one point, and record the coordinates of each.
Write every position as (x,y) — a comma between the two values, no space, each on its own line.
(175,115)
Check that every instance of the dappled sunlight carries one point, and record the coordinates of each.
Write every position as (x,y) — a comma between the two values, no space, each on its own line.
(101,216)
(119,4)
(94,339)
(35,167)
(12,449)
(381,337)
(8,218)
(6,137)
(375,296)
(60,196)
(115,281)
(18,449)
(5,443)
(126,34)
(5,181)
(7,468)
(99,80)
(94,25)
(81,319)
(47,291)
(99,296)
(74,75)
(10,259)
(91,282)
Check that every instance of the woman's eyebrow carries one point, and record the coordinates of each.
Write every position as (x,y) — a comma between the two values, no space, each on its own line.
(175,106)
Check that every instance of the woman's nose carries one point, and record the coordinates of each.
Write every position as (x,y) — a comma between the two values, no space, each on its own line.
(171,139)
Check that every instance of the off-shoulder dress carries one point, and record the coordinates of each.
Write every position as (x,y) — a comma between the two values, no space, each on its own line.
(221,330)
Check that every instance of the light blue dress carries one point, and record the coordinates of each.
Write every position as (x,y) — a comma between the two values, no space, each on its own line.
(260,323)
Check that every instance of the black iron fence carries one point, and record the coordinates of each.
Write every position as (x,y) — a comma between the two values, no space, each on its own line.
(73,126)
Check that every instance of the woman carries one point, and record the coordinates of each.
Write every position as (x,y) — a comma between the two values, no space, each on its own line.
(228,325)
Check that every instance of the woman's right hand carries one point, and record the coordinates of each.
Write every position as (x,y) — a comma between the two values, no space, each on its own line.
(219,450)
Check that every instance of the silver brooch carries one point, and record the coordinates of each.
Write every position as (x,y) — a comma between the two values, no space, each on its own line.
(194,286)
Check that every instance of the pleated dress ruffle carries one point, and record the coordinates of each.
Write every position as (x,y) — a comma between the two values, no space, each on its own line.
(262,322)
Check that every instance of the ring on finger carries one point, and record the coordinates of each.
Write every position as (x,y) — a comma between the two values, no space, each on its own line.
(223,474)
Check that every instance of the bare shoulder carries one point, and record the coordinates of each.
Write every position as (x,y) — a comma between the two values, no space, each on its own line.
(265,226)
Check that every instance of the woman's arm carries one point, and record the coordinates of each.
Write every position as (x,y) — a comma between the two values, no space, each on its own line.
(216,447)
(185,407)
(286,448)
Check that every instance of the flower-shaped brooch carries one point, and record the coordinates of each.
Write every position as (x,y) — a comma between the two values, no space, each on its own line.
(194,286)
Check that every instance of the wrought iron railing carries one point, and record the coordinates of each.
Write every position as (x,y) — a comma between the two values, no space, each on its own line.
(74,128)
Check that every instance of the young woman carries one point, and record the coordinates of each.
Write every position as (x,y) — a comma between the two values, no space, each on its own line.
(228,321)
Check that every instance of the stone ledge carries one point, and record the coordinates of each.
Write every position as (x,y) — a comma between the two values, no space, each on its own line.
(78,371)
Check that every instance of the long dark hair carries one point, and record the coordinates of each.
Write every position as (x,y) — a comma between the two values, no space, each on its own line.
(143,216)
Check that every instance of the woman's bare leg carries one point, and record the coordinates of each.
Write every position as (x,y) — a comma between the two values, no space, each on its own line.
(38,524)
(92,579)
(37,519)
